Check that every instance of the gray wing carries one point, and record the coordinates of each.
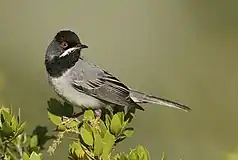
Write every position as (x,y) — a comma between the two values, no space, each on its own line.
(94,81)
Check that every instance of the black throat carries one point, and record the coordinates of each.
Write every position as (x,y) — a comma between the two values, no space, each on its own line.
(57,66)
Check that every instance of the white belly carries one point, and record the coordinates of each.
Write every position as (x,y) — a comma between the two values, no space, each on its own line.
(64,89)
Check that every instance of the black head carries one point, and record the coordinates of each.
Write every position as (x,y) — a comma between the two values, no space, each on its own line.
(63,52)
(68,39)
(63,42)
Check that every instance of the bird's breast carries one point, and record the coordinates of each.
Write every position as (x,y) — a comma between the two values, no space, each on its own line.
(64,89)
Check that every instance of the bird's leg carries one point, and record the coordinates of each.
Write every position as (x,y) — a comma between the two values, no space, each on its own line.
(97,113)
(75,115)
(66,120)
(72,117)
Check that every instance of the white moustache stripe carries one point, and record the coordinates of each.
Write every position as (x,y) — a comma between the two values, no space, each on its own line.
(68,51)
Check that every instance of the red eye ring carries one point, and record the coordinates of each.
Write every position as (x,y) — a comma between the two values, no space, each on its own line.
(64,44)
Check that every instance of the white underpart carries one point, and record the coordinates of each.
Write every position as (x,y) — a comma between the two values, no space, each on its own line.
(68,51)
(64,89)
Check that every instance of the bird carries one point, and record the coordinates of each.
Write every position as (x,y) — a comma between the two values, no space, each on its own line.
(87,85)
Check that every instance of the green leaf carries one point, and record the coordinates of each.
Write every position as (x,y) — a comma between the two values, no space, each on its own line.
(116,124)
(21,129)
(54,119)
(86,136)
(35,156)
(108,142)
(121,156)
(121,116)
(163,157)
(61,128)
(89,115)
(125,123)
(7,157)
(73,124)
(24,138)
(79,152)
(14,123)
(17,140)
(25,156)
(120,138)
(133,155)
(34,141)
(98,143)
(76,149)
(142,152)
(87,126)
(116,157)
(7,129)
(6,115)
(128,132)
(107,121)
(148,154)
(6,118)
(103,128)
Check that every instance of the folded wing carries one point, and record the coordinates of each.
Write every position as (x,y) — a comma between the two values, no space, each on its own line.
(96,82)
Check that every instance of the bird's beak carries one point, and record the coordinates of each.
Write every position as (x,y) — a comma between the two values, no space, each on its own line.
(73,49)
(83,46)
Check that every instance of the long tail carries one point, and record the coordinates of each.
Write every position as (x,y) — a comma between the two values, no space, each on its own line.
(139,97)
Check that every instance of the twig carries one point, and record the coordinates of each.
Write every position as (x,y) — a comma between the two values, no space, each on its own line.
(55,143)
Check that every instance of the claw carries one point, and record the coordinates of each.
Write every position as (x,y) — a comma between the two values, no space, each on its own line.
(96,121)
(98,113)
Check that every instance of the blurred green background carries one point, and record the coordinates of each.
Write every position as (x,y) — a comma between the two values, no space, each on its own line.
(182,50)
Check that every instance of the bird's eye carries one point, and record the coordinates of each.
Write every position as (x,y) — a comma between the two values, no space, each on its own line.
(64,45)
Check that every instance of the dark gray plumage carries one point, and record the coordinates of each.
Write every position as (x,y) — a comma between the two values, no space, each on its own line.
(84,84)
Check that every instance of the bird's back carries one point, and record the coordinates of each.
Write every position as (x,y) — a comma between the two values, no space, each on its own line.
(84,71)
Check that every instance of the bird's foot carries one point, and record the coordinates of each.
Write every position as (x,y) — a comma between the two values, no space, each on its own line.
(96,121)
(75,115)
(67,120)
(98,113)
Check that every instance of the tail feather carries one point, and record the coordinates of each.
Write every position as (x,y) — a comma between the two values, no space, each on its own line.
(139,97)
